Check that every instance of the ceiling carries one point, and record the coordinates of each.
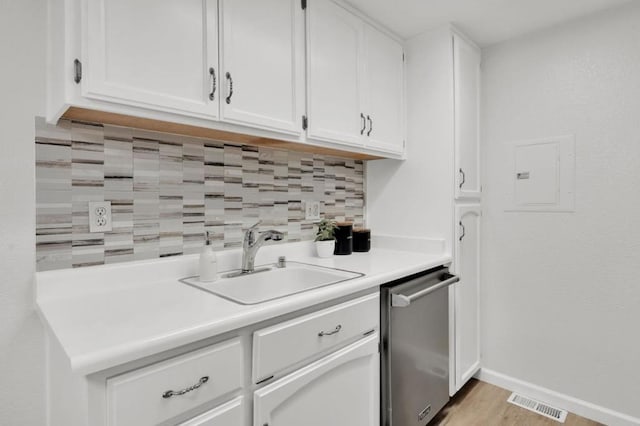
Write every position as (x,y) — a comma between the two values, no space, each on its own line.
(485,21)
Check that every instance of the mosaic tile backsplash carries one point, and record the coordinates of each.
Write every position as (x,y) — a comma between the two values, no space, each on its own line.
(167,190)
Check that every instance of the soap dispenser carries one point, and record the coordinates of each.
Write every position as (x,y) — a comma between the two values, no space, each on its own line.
(208,262)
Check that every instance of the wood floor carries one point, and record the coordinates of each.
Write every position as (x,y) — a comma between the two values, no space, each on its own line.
(480,403)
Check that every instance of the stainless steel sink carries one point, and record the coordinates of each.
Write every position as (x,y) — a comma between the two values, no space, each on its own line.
(271,282)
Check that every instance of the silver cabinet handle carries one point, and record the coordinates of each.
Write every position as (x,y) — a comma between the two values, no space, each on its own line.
(370,125)
(170,393)
(329,333)
(77,71)
(364,124)
(230,80)
(214,83)
(402,301)
(464,178)
(464,231)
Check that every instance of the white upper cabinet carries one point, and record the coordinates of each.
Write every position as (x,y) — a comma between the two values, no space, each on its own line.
(355,81)
(263,63)
(311,72)
(384,83)
(466,58)
(467,293)
(158,54)
(334,66)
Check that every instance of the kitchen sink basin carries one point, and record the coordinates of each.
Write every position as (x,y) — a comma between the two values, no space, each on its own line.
(271,282)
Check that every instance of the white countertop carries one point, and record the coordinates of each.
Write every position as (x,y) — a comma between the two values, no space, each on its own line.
(109,315)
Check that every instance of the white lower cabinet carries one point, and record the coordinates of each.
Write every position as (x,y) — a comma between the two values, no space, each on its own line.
(321,368)
(467,294)
(161,391)
(313,334)
(341,389)
(229,414)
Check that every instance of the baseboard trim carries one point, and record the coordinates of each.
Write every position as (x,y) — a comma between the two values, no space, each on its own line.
(574,405)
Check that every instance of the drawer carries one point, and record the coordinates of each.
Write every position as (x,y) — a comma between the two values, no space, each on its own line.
(287,343)
(142,397)
(229,414)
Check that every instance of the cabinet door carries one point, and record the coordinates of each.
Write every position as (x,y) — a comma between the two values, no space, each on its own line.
(384,79)
(341,389)
(467,118)
(467,294)
(334,67)
(263,63)
(153,53)
(229,414)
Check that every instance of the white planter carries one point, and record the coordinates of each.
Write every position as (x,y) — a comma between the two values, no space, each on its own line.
(325,248)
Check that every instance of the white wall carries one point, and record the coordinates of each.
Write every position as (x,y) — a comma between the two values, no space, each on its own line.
(22,76)
(396,205)
(561,292)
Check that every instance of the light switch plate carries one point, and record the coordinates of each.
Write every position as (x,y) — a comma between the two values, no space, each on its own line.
(312,210)
(100,216)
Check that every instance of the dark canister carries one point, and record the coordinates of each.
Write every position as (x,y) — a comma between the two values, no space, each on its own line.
(361,240)
(344,238)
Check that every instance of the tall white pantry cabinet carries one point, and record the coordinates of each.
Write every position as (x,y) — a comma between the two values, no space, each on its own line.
(466,241)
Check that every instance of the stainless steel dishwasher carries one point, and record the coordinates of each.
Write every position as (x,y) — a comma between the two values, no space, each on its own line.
(415,348)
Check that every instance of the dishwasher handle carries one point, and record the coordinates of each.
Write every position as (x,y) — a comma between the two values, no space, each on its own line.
(402,301)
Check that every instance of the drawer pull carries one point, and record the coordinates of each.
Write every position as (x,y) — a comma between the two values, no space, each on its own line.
(230,80)
(170,393)
(329,333)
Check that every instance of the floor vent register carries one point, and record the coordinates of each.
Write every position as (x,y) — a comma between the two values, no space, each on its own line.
(538,407)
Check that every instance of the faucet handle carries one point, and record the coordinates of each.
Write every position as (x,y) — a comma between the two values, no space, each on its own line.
(254,226)
(249,236)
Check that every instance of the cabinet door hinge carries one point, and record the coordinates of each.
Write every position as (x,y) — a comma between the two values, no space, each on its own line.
(77,71)
(303,3)
(305,122)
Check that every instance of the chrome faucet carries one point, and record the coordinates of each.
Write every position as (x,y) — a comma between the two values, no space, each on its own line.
(251,244)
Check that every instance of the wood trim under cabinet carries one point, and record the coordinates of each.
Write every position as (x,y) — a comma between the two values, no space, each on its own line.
(89,115)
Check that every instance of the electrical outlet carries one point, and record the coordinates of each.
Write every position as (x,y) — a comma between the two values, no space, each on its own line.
(100,216)
(312,210)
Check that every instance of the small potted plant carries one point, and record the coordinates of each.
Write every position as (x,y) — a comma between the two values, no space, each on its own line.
(325,238)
